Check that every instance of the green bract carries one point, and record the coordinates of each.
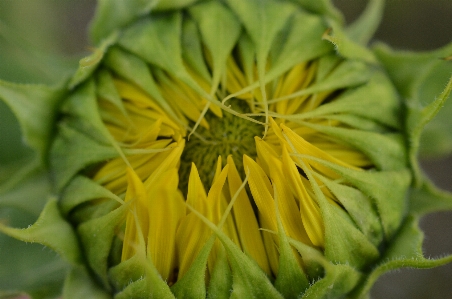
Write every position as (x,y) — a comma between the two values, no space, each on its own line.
(231,149)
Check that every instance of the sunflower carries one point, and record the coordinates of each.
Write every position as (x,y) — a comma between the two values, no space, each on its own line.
(213,134)
(204,150)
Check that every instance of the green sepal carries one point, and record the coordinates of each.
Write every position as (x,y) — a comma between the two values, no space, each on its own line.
(80,190)
(51,230)
(358,122)
(90,63)
(344,242)
(386,151)
(220,284)
(163,5)
(91,211)
(96,236)
(363,29)
(122,274)
(149,285)
(220,31)
(291,281)
(106,90)
(405,251)
(79,284)
(158,42)
(73,151)
(428,199)
(416,121)
(144,289)
(360,209)
(419,79)
(380,186)
(322,7)
(293,46)
(82,136)
(248,279)
(132,68)
(192,284)
(266,21)
(113,15)
(193,51)
(337,280)
(35,107)
(83,109)
(346,47)
(376,93)
(346,75)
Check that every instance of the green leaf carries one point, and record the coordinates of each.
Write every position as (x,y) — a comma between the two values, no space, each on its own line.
(28,268)
(27,57)
(35,107)
(29,196)
(52,231)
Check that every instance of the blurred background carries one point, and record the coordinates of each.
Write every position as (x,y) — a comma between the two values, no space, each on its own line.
(41,41)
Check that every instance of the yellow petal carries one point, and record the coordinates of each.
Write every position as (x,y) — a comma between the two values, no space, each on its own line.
(166,209)
(247,225)
(309,210)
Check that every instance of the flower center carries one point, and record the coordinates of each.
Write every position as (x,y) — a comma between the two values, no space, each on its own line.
(229,135)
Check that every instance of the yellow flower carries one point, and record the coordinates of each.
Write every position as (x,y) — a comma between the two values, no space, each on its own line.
(234,165)
(237,148)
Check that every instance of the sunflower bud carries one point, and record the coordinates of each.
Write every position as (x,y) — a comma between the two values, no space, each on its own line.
(237,148)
